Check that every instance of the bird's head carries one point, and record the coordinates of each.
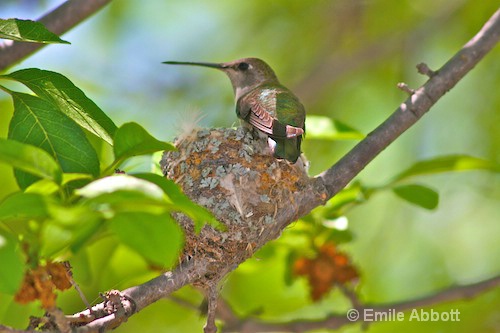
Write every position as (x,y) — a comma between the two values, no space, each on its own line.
(245,74)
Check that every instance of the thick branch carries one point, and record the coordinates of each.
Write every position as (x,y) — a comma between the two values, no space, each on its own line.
(145,294)
(325,186)
(338,320)
(249,325)
(108,315)
(409,112)
(59,21)
(339,175)
(165,284)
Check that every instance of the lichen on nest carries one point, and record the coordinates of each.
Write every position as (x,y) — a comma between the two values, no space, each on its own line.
(232,173)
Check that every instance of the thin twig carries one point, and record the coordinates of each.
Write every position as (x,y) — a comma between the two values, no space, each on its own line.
(212,296)
(75,285)
(404,87)
(422,68)
(339,175)
(351,295)
(332,180)
(251,325)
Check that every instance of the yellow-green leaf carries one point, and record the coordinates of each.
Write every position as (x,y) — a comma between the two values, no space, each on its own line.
(27,31)
(419,195)
(31,159)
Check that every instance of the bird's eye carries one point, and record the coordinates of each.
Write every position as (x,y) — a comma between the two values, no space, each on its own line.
(243,66)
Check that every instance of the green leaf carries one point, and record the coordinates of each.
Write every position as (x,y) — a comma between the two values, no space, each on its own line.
(122,193)
(156,237)
(121,182)
(321,127)
(418,195)
(144,193)
(348,197)
(169,187)
(69,180)
(71,177)
(339,236)
(83,268)
(132,140)
(87,231)
(39,123)
(30,159)
(23,206)
(181,202)
(55,238)
(27,31)
(12,261)
(70,100)
(43,186)
(446,164)
(70,227)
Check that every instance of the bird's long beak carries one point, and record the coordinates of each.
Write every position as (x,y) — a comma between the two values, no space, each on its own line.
(202,64)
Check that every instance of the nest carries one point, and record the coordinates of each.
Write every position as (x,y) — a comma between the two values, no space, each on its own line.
(233,174)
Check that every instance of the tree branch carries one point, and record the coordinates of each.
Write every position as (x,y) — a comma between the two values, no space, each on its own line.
(409,112)
(316,192)
(339,175)
(59,21)
(117,307)
(335,321)
(141,296)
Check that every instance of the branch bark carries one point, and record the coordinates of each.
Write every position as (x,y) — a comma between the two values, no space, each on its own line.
(409,112)
(317,192)
(336,321)
(59,21)
(330,182)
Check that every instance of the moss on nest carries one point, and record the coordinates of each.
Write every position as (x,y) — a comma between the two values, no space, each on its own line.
(232,173)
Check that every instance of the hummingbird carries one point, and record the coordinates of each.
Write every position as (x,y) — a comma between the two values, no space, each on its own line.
(263,103)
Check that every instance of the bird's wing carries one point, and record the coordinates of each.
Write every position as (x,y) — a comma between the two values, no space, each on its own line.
(259,118)
(257,112)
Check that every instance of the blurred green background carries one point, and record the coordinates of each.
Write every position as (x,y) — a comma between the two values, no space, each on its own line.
(343,59)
